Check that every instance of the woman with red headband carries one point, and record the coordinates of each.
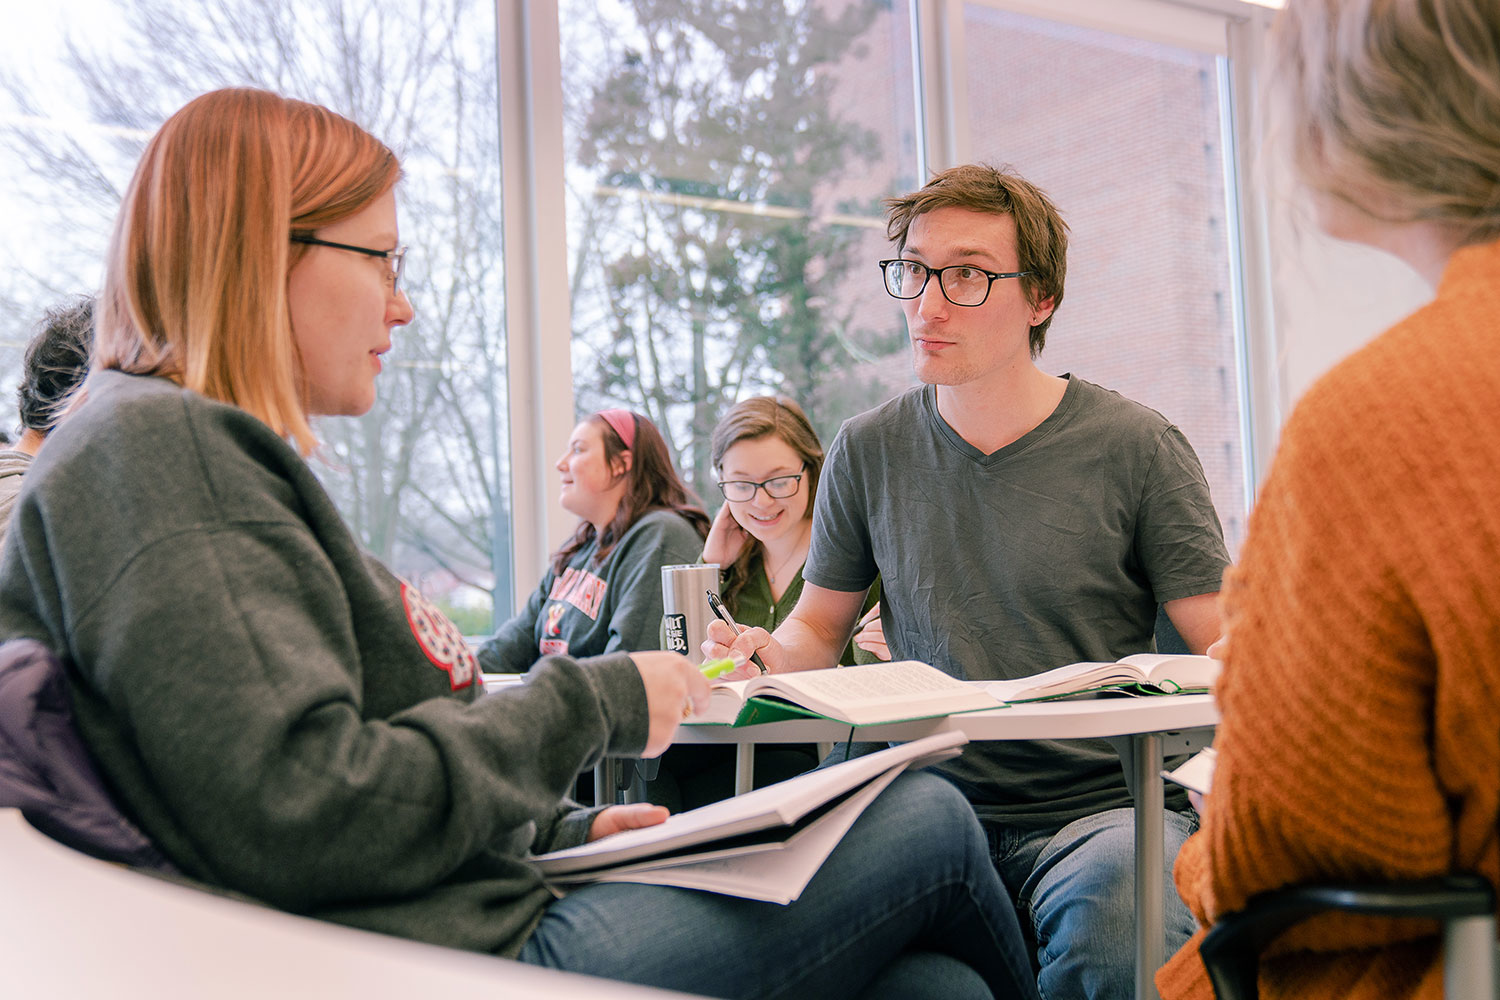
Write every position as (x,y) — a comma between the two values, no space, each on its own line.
(602,592)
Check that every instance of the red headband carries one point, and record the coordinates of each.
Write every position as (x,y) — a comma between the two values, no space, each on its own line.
(623,421)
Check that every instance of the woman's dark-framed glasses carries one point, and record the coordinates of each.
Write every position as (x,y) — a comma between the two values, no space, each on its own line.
(743,491)
(395,258)
(962,284)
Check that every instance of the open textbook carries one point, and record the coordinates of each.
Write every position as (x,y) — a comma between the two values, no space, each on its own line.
(766,844)
(859,696)
(1139,674)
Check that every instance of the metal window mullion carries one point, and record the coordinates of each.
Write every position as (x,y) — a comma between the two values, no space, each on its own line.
(1261,393)
(942,85)
(536,275)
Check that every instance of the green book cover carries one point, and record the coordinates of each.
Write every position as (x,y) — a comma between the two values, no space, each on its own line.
(758,710)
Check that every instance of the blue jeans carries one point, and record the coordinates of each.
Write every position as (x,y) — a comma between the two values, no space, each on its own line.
(908,905)
(1075,891)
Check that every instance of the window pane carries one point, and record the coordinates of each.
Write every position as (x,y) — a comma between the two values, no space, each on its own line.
(726,163)
(423,478)
(1125,137)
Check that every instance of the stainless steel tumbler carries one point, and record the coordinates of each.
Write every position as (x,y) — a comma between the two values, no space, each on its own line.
(685,610)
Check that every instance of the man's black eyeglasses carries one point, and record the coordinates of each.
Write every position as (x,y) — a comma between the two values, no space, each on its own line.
(395,258)
(962,284)
(743,491)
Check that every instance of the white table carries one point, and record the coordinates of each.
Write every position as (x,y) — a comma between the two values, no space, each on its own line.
(1143,730)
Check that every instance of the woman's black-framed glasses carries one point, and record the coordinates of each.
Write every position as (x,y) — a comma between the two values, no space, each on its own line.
(743,491)
(396,258)
(962,284)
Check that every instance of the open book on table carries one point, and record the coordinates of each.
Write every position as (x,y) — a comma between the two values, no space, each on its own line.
(863,695)
(1138,674)
(766,844)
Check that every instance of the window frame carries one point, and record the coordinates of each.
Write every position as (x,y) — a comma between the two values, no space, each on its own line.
(534,205)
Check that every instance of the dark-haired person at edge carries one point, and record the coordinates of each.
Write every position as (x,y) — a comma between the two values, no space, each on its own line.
(602,592)
(769,460)
(1360,696)
(1018,521)
(54,365)
(287,719)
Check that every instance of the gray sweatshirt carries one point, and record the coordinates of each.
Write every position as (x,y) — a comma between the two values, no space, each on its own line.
(282,715)
(13,465)
(594,608)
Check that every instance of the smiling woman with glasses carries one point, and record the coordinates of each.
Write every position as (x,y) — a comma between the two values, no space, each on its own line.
(743,491)
(770,458)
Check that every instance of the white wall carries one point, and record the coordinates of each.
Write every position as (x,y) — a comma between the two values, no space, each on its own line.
(1330,297)
(1310,300)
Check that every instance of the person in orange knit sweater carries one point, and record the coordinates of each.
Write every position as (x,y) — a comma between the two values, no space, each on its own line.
(1361,688)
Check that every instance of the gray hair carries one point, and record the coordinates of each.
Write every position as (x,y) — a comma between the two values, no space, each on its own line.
(1399,99)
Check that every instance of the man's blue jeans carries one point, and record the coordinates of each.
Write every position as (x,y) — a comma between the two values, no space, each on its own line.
(1074,890)
(908,905)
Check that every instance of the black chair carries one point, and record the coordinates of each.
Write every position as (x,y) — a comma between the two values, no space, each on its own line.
(1464,903)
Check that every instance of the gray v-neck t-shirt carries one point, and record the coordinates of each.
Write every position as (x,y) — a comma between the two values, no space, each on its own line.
(1057,548)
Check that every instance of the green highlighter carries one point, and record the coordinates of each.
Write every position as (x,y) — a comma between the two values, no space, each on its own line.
(718,668)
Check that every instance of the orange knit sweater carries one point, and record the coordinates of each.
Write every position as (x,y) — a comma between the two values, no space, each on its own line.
(1361,693)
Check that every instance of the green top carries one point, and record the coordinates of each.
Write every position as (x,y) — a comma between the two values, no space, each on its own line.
(754,607)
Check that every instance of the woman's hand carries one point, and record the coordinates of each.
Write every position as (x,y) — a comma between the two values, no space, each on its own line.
(617,819)
(674,690)
(722,642)
(726,539)
(870,634)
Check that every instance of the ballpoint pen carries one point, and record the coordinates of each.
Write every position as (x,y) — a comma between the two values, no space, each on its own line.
(720,612)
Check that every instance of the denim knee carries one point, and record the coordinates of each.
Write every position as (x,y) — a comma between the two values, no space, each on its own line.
(1081,902)
(1098,850)
(920,803)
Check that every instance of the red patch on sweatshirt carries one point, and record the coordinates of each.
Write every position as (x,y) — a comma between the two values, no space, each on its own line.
(552,623)
(439,638)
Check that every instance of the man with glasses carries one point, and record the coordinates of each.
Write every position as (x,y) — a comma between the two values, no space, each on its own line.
(1018,521)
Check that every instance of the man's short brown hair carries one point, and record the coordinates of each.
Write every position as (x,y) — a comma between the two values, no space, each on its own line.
(1041,234)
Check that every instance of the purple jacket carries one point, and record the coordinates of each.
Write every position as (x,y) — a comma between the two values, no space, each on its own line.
(45,770)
